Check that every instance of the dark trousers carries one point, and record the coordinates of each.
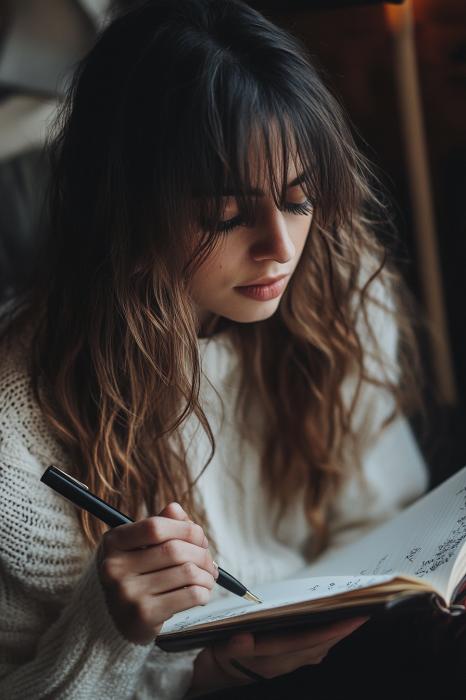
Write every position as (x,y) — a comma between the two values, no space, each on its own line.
(408,656)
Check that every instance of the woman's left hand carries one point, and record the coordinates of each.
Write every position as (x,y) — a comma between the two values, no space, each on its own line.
(266,655)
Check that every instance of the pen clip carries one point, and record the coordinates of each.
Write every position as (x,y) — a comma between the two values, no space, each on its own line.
(70,477)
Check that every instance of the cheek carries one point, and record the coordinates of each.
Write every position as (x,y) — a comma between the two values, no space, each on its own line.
(302,233)
(212,273)
(212,267)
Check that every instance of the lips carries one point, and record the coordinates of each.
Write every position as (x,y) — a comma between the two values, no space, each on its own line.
(263,281)
(263,292)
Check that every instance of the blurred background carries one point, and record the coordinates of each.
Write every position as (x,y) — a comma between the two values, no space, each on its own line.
(399,69)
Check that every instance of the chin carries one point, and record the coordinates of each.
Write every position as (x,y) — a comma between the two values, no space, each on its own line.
(265,310)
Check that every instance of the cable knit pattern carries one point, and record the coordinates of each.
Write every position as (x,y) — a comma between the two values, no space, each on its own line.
(57,638)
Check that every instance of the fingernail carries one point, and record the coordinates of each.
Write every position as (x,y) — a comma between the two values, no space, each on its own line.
(215,564)
(206,542)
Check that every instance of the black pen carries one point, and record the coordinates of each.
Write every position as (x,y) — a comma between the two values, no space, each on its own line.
(79,494)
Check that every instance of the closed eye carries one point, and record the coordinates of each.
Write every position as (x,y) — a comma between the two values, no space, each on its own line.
(305,207)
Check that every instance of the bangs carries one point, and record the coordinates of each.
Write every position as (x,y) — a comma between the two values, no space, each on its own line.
(247,139)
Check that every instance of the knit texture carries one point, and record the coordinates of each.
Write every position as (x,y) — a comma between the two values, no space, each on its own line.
(57,637)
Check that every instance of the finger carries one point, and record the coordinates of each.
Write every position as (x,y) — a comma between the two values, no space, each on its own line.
(277,665)
(271,666)
(314,654)
(174,510)
(240,644)
(244,642)
(284,643)
(165,605)
(168,554)
(155,530)
(248,644)
(173,578)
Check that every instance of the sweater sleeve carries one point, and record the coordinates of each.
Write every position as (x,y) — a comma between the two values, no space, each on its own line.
(57,637)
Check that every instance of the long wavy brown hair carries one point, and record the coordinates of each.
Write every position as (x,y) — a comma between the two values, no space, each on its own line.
(166,107)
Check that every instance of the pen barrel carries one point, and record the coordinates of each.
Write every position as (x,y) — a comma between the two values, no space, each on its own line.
(90,502)
(229,582)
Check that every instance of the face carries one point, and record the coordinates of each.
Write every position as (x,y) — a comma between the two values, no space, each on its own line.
(224,283)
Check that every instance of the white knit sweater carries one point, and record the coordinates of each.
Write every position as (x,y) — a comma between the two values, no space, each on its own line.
(57,638)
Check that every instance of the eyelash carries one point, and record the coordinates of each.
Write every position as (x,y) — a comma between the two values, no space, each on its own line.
(303,208)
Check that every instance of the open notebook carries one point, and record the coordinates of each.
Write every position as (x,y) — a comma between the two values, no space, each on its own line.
(417,560)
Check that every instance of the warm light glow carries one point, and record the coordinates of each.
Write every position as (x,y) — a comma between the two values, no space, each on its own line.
(397,15)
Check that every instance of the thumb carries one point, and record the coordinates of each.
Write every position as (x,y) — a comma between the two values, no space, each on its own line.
(240,644)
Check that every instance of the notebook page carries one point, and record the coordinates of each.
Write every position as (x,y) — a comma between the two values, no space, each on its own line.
(422,541)
(273,595)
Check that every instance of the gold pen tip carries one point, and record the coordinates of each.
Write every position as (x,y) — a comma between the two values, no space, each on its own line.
(250,596)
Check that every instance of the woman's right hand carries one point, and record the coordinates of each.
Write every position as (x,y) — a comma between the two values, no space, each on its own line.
(154,568)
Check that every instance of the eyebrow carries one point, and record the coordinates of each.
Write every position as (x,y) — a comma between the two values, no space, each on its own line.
(230,192)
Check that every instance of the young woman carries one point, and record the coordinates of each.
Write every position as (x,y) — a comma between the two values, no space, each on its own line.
(211,343)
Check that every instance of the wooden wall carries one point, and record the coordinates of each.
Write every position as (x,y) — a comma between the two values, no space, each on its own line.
(355,48)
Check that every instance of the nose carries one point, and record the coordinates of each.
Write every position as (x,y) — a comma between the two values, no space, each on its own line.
(272,239)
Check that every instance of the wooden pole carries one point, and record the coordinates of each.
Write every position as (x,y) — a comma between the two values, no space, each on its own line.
(400,20)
